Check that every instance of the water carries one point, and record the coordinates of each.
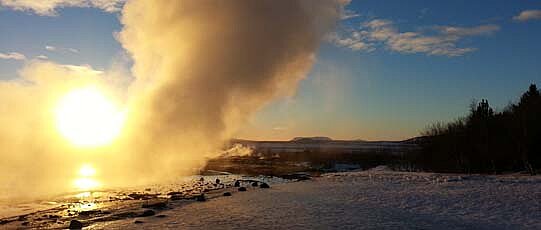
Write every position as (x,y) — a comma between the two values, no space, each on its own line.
(75,203)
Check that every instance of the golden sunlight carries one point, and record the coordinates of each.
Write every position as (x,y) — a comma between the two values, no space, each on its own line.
(87,118)
(85,181)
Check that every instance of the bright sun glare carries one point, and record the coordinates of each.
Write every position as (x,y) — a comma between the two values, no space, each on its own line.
(87,118)
(86,180)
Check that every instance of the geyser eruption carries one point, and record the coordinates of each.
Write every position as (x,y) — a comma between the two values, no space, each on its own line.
(201,68)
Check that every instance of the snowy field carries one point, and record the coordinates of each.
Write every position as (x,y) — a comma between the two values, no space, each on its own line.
(374,199)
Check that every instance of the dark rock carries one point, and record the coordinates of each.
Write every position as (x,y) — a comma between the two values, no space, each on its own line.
(161,216)
(242,189)
(227,194)
(201,179)
(177,197)
(75,224)
(217,181)
(297,176)
(264,185)
(200,198)
(138,222)
(147,212)
(137,196)
(89,212)
(25,223)
(237,183)
(254,184)
(174,193)
(156,205)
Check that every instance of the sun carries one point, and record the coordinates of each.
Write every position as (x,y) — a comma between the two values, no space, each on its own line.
(87,118)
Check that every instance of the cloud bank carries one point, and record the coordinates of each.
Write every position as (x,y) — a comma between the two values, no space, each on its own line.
(49,7)
(528,15)
(438,40)
(13,56)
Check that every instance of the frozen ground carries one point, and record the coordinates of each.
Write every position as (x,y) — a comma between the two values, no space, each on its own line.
(373,199)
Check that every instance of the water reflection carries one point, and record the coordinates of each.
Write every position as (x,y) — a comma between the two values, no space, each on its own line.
(86,180)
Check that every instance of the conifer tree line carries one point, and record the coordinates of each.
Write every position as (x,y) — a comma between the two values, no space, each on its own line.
(486,141)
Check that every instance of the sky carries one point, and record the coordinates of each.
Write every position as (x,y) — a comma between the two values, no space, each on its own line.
(387,71)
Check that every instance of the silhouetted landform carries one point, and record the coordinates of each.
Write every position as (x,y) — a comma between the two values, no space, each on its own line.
(327,145)
(486,141)
(311,154)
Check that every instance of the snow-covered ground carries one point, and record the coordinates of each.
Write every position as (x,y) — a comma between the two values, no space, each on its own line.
(374,199)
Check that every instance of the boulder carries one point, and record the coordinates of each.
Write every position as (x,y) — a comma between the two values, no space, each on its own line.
(147,212)
(237,183)
(254,184)
(242,189)
(227,194)
(201,198)
(264,185)
(75,224)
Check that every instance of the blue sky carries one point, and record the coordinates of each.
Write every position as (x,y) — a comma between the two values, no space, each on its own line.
(390,69)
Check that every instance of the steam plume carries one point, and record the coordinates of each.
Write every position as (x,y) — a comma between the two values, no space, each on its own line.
(201,69)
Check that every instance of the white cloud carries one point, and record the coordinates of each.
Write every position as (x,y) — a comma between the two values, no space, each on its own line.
(439,40)
(348,14)
(61,49)
(43,57)
(13,56)
(50,48)
(527,15)
(49,7)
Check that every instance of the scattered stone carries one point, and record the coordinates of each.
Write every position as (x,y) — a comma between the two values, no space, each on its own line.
(227,194)
(237,183)
(264,185)
(254,184)
(75,224)
(242,189)
(156,205)
(138,222)
(200,198)
(147,212)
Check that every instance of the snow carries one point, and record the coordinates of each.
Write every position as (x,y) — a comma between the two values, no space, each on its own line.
(372,199)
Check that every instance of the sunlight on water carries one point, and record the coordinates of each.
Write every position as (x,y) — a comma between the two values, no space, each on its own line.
(86,181)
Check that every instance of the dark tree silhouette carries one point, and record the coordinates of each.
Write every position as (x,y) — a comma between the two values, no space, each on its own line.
(486,141)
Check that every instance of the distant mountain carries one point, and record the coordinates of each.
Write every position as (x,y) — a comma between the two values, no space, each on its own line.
(310,139)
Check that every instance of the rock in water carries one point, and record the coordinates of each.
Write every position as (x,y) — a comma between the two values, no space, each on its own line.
(147,212)
(227,194)
(201,198)
(264,185)
(75,224)
(237,183)
(242,189)
(156,205)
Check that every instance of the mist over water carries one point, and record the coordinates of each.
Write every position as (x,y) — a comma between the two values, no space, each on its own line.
(201,69)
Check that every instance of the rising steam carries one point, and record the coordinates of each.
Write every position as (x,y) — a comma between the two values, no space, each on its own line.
(201,69)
